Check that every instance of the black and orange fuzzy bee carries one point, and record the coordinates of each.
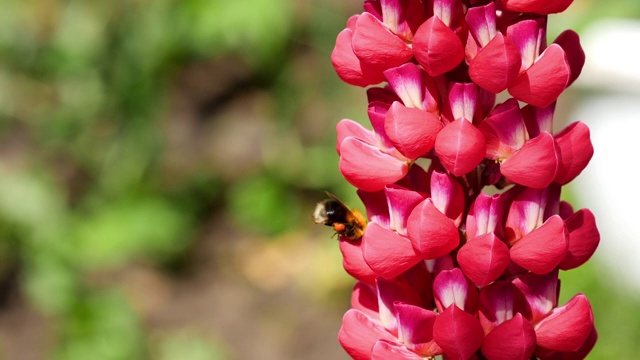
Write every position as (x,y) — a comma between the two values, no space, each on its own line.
(346,222)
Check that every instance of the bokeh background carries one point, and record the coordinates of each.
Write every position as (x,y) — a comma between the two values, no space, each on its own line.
(159,161)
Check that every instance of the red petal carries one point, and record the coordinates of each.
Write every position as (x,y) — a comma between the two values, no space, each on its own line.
(496,66)
(447,196)
(539,294)
(451,287)
(376,205)
(432,233)
(534,165)
(354,263)
(580,354)
(583,239)
(514,339)
(347,128)
(566,328)
(574,151)
(458,333)
(412,131)
(496,304)
(543,7)
(391,292)
(504,130)
(415,329)
(359,333)
(542,83)
(347,65)
(399,202)
(436,47)
(483,259)
(570,43)
(388,253)
(486,215)
(376,45)
(367,168)
(364,298)
(388,350)
(460,147)
(541,250)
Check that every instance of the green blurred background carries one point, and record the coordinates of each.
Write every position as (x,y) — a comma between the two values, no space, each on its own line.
(159,161)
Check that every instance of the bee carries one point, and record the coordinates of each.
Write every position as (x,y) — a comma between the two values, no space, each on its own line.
(346,222)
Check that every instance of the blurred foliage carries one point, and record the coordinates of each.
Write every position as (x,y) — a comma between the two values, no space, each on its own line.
(126,126)
(93,177)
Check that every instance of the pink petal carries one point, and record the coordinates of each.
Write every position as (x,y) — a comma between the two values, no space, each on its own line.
(579,354)
(486,215)
(462,99)
(354,263)
(534,165)
(482,23)
(347,128)
(387,253)
(391,292)
(414,87)
(566,328)
(458,333)
(436,47)
(496,66)
(528,36)
(542,7)
(540,294)
(447,196)
(402,17)
(526,212)
(377,112)
(432,233)
(538,119)
(574,151)
(400,202)
(570,43)
(544,248)
(388,350)
(359,333)
(349,67)
(412,131)
(529,209)
(483,259)
(407,82)
(376,205)
(460,147)
(514,339)
(376,45)
(542,83)
(449,11)
(364,298)
(367,168)
(504,130)
(583,239)
(451,287)
(415,329)
(496,304)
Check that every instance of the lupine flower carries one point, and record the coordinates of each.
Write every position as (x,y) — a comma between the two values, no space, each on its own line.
(467,232)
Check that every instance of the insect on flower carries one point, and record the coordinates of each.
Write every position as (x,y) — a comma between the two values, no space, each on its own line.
(346,222)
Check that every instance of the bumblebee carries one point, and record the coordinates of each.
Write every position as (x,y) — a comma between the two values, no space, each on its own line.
(346,222)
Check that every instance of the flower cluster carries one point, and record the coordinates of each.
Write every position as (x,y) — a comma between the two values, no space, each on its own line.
(466,232)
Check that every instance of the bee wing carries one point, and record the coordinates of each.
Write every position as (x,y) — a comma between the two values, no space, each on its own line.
(333,197)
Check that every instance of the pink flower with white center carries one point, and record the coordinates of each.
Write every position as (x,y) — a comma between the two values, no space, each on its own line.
(445,268)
